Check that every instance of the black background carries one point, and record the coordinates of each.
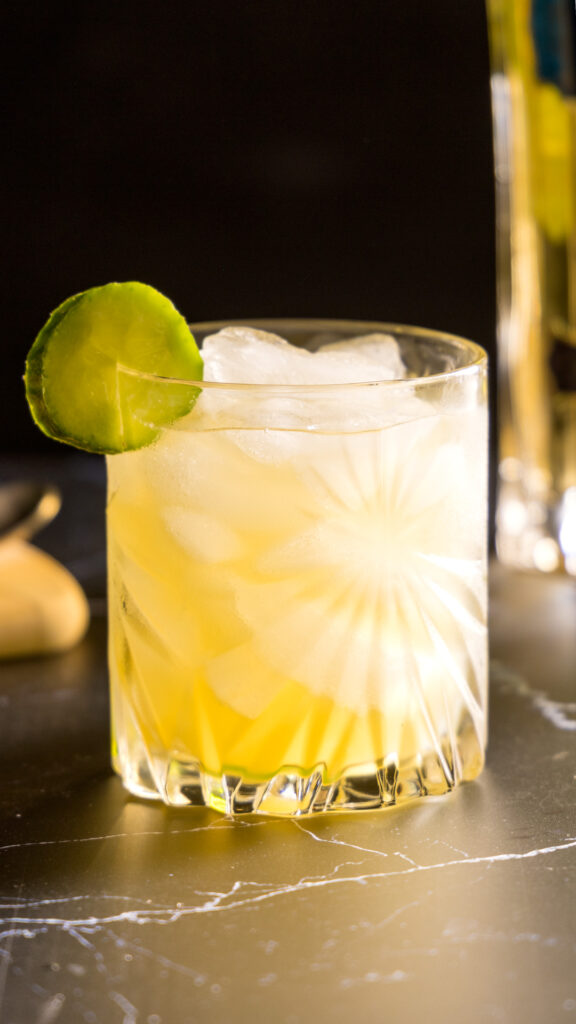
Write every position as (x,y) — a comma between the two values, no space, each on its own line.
(246,157)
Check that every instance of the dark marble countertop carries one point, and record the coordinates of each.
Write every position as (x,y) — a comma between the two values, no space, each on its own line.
(455,909)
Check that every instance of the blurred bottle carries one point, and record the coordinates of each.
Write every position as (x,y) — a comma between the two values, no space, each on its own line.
(533,61)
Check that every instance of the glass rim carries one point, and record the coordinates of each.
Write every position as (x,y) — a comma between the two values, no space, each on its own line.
(477,356)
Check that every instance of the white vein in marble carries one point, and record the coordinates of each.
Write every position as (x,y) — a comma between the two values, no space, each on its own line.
(561,714)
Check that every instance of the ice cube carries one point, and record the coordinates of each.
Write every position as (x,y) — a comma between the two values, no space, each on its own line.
(369,357)
(271,427)
(244,355)
(208,472)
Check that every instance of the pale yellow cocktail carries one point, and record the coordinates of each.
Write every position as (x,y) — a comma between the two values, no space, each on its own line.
(297,583)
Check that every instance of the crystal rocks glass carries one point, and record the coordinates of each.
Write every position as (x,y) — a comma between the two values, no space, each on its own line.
(297,587)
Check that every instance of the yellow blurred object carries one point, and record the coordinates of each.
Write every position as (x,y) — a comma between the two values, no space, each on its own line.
(43,609)
(533,79)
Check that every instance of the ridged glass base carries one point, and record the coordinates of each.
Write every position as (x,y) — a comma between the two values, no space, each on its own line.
(289,793)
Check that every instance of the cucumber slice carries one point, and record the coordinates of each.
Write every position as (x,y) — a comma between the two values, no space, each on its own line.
(86,373)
